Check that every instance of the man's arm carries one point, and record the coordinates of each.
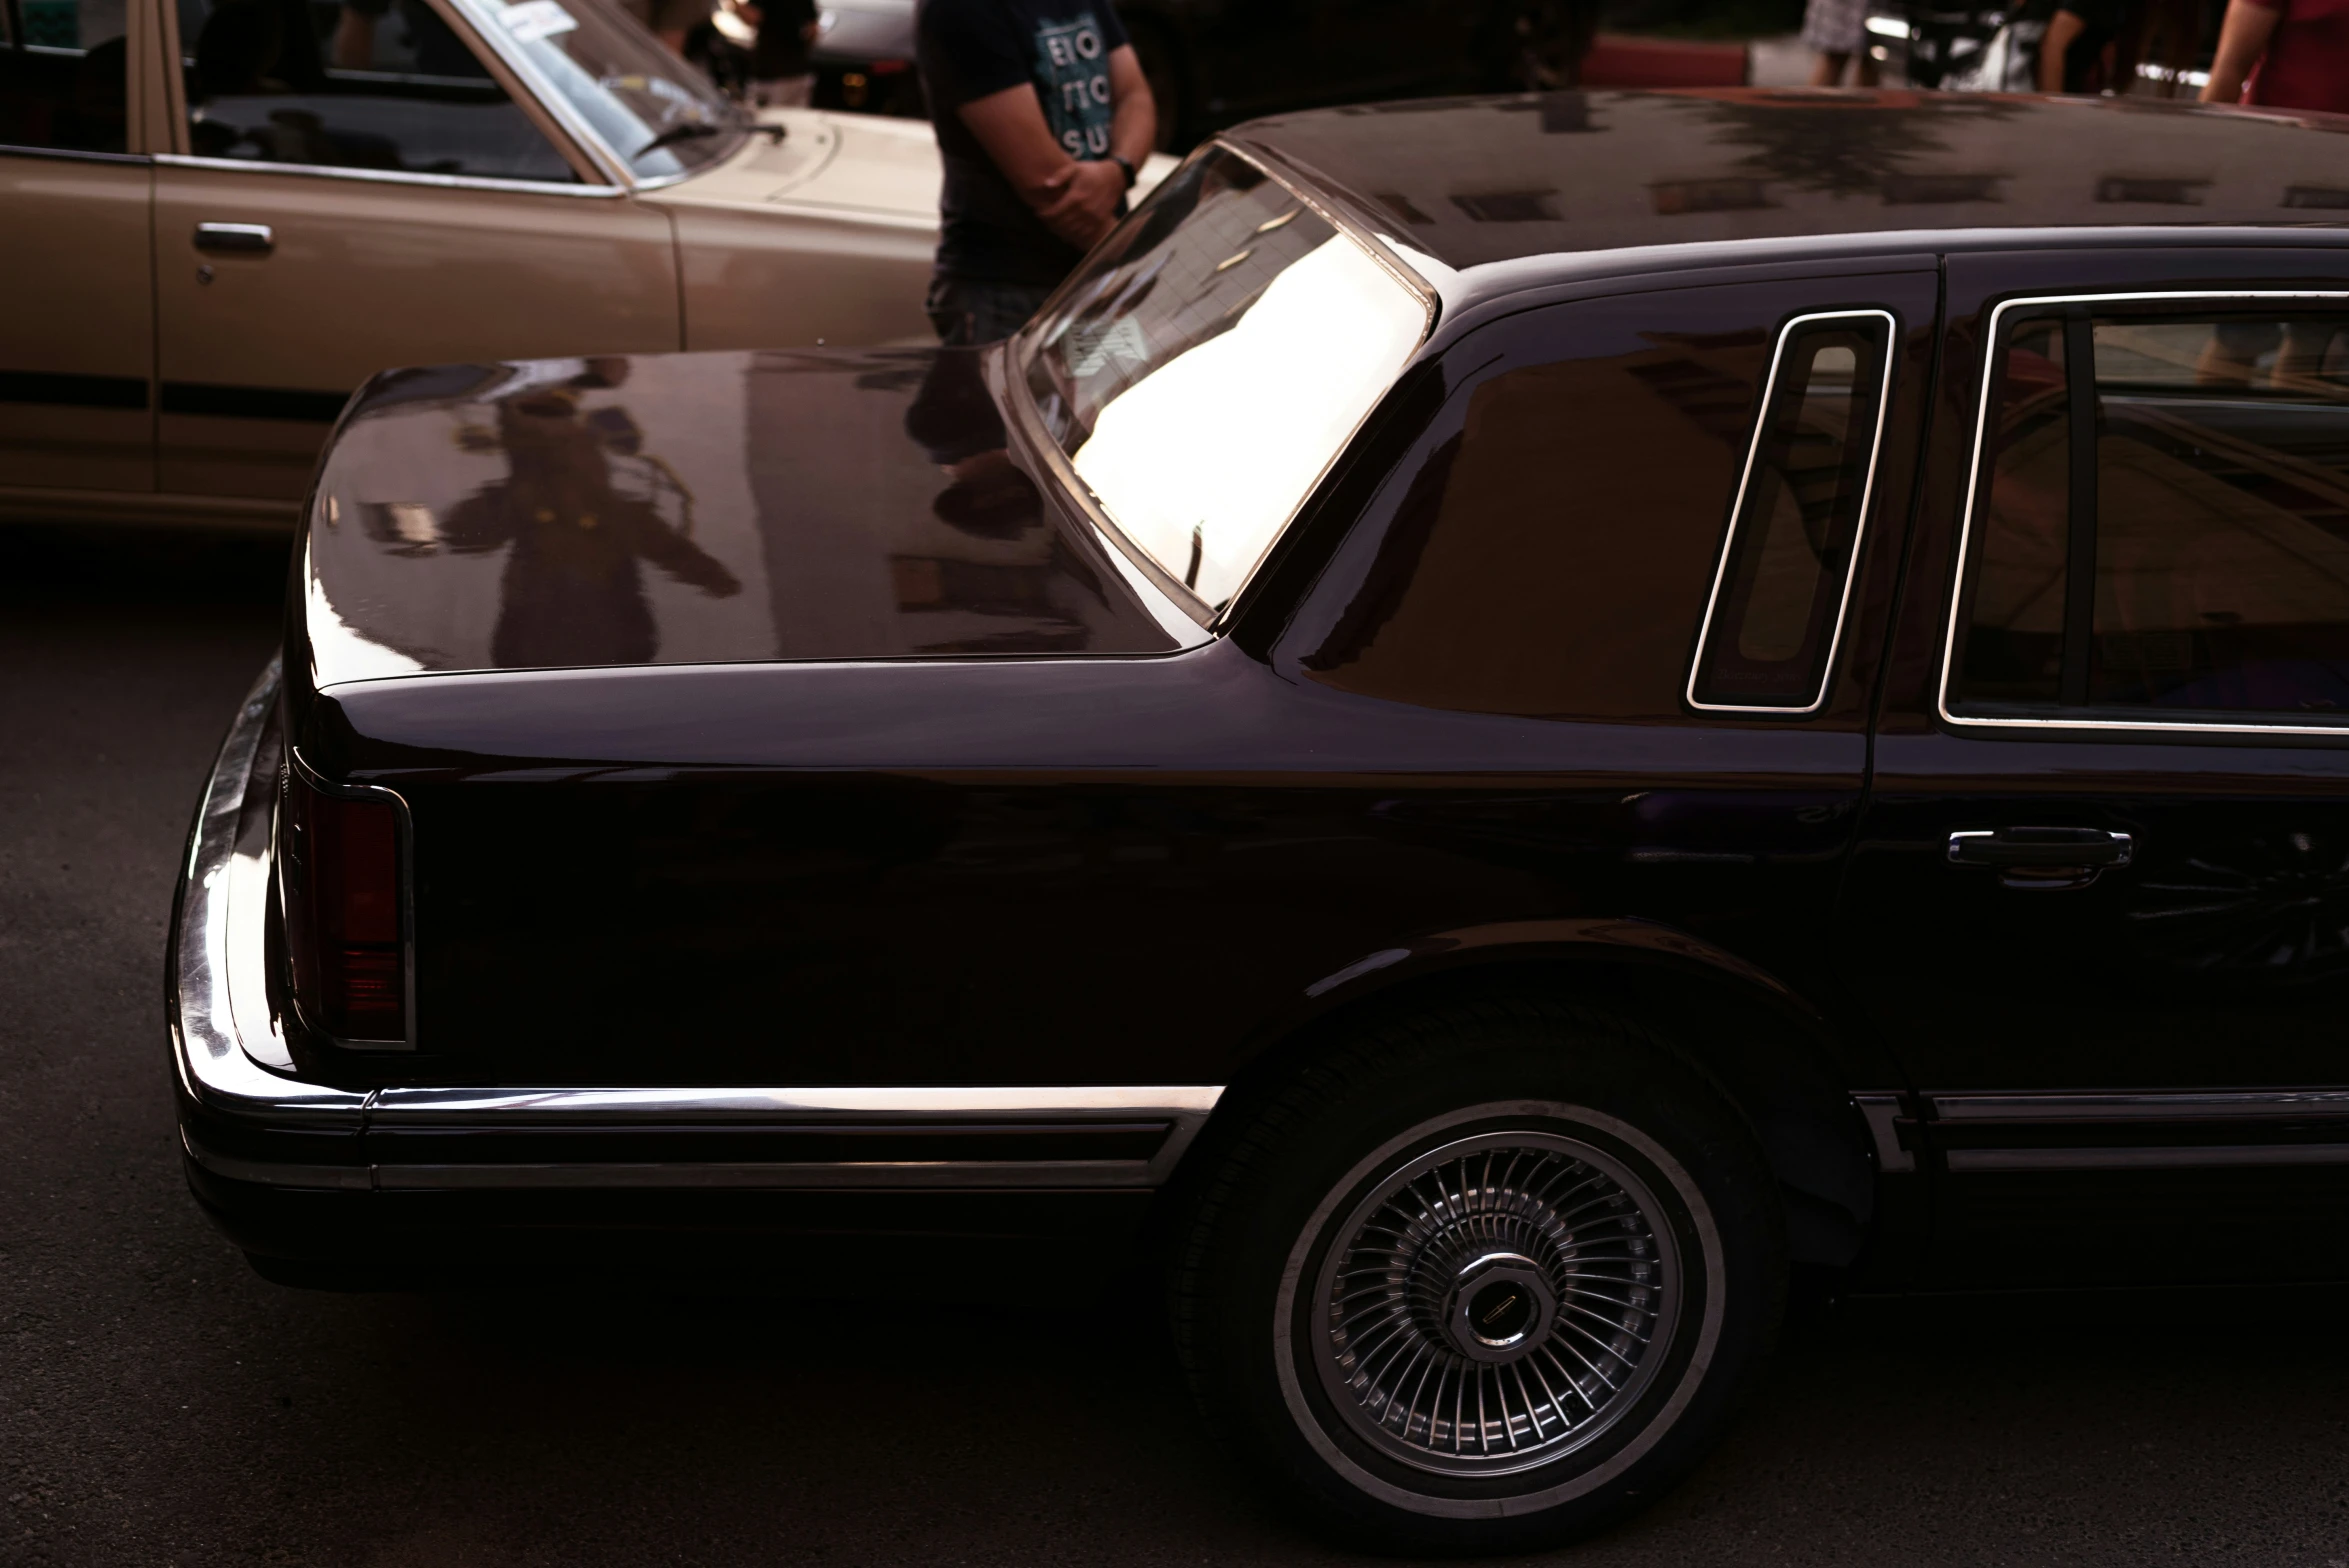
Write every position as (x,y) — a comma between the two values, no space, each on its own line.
(1076,200)
(2243,38)
(2061,30)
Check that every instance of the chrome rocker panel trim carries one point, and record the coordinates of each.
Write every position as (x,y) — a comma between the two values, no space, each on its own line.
(235,1070)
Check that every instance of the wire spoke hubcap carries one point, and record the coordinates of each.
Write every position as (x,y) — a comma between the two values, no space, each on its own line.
(1495,1303)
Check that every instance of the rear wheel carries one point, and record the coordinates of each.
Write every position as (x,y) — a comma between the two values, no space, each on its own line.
(1483,1279)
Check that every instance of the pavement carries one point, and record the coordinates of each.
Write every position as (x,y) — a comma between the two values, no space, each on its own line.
(161,1404)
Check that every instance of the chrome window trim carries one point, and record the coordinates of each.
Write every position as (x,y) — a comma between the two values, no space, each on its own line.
(501,43)
(218,1000)
(1851,567)
(181,160)
(615,165)
(73,154)
(1957,589)
(1019,348)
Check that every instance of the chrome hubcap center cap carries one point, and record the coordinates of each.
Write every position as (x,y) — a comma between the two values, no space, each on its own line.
(1501,1307)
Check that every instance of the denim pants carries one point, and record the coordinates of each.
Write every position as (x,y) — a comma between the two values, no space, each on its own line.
(968,310)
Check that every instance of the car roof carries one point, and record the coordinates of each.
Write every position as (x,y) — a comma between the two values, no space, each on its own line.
(1475,181)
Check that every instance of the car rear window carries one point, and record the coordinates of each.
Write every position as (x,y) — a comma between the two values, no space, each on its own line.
(1209,362)
(2162,524)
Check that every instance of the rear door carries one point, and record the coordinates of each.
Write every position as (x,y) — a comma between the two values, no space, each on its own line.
(365,188)
(77,354)
(2100,903)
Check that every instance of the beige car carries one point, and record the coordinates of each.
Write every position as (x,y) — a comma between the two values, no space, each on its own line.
(220,216)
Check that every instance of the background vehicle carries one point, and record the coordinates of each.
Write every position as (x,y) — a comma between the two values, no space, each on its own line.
(231,212)
(1427,752)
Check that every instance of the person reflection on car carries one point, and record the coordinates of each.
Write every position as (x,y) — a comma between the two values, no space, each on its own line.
(573,591)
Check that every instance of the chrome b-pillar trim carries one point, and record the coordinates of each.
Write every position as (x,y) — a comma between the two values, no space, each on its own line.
(233,1063)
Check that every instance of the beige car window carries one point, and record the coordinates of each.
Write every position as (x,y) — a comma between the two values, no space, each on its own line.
(360,84)
(62,84)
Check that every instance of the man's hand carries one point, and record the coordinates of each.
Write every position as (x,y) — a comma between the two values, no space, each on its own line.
(1086,206)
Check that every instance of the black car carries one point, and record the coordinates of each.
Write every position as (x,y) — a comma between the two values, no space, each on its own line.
(1504,724)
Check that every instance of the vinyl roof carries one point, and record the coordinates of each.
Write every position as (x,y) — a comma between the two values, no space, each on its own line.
(1475,180)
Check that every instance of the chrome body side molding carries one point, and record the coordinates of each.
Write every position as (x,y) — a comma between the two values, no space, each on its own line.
(239,1088)
(2156,1131)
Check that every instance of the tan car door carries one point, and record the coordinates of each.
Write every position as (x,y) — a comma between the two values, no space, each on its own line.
(379,193)
(77,344)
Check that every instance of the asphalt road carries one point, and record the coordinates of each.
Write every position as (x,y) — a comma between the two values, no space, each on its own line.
(161,1404)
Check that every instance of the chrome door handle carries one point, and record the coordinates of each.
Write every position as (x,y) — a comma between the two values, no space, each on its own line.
(2042,857)
(235,236)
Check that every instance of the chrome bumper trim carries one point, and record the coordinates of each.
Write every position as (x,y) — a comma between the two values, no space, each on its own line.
(233,1062)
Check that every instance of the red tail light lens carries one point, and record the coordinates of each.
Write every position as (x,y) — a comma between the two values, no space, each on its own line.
(341,864)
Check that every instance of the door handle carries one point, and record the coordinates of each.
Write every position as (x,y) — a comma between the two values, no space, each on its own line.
(2042,857)
(250,237)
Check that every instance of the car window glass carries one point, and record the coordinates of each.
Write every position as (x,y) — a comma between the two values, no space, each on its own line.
(2222,515)
(2014,651)
(1211,359)
(647,105)
(2214,525)
(63,84)
(1790,545)
(362,84)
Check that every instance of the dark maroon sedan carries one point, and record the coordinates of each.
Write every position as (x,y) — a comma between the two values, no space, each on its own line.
(1503,725)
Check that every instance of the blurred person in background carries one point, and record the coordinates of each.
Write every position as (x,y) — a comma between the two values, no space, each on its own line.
(2283,54)
(671,21)
(2073,52)
(1043,119)
(1836,30)
(781,74)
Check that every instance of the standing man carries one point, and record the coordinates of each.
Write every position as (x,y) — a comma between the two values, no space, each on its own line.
(1043,118)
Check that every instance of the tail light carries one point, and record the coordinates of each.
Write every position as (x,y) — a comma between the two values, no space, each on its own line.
(345,926)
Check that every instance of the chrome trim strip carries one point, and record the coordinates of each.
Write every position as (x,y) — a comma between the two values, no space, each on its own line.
(1851,567)
(2222,1105)
(2167,1157)
(468,182)
(223,1033)
(217,962)
(1883,1114)
(668,1105)
(1973,485)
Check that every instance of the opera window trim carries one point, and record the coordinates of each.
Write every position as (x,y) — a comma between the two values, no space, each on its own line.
(1882,329)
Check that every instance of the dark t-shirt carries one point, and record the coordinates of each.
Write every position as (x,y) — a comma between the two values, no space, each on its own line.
(969,49)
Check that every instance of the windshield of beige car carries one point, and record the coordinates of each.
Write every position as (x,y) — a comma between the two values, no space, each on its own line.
(644,103)
(1211,359)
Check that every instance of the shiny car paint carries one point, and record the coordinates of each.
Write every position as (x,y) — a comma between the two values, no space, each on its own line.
(802,848)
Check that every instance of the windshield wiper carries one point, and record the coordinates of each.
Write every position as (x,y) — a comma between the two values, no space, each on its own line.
(691,130)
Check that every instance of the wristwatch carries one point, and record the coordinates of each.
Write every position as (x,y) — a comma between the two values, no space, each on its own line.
(1125,164)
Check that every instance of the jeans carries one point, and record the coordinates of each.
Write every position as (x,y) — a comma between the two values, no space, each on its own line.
(967,311)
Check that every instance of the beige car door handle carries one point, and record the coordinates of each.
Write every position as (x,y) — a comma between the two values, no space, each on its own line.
(235,236)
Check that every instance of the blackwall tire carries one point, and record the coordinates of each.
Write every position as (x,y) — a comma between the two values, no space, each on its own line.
(1482,1279)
